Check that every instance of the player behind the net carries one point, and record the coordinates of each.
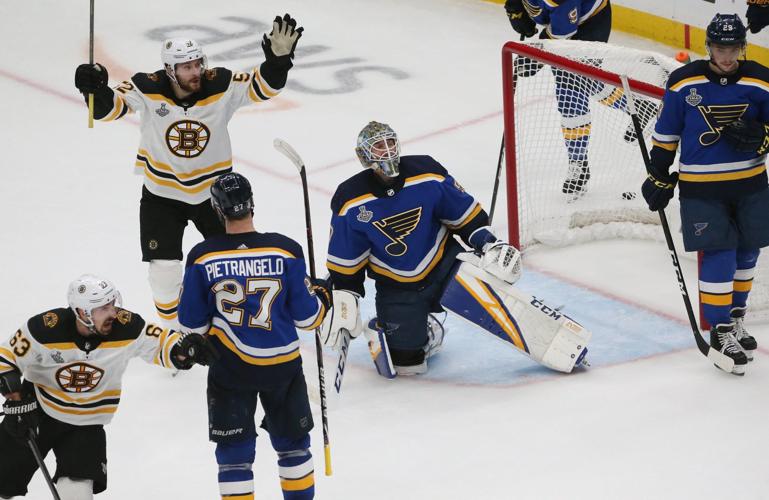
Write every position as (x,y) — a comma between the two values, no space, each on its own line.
(249,291)
(716,112)
(397,220)
(69,363)
(585,20)
(185,109)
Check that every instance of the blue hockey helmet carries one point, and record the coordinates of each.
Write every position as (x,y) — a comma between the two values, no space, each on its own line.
(231,196)
(726,29)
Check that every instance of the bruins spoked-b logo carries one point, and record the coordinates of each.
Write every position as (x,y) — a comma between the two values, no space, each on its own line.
(717,117)
(187,138)
(79,377)
(397,227)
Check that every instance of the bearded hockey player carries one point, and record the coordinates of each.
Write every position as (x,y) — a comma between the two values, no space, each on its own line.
(185,108)
(397,220)
(69,363)
(716,112)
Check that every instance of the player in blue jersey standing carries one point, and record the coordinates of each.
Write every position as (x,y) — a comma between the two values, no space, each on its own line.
(249,291)
(586,20)
(397,220)
(716,112)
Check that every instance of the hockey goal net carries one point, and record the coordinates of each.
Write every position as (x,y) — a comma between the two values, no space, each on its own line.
(565,115)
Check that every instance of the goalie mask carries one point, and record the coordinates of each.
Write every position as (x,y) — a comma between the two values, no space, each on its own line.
(89,292)
(378,148)
(178,51)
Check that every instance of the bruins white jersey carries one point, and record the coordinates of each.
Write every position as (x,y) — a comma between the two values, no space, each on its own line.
(78,379)
(184,143)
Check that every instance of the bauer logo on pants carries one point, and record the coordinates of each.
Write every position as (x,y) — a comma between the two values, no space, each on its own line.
(187,138)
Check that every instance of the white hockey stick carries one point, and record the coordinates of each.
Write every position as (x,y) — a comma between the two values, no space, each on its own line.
(292,155)
(341,360)
(720,359)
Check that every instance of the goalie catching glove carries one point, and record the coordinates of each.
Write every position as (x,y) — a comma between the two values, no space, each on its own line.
(498,258)
(343,319)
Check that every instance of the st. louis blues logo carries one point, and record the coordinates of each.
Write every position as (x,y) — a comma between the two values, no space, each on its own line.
(363,214)
(716,117)
(397,227)
(693,99)
(699,227)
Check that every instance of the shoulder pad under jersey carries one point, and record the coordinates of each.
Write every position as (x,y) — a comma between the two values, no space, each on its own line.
(50,327)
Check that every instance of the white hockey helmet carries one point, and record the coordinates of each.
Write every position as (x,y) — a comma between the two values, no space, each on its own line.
(181,50)
(89,292)
(385,160)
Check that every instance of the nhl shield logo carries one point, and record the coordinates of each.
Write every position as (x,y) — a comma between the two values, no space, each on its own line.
(162,111)
(693,99)
(699,227)
(364,215)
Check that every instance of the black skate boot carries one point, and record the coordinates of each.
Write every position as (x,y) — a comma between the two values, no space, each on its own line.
(575,184)
(722,339)
(646,110)
(746,341)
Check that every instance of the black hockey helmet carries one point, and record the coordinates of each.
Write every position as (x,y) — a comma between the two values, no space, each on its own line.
(726,29)
(231,196)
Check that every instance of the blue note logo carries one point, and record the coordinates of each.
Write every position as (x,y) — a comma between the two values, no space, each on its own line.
(699,227)
(397,227)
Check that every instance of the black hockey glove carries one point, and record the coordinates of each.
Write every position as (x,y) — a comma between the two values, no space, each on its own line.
(322,289)
(193,348)
(747,136)
(21,417)
(89,78)
(757,15)
(658,189)
(519,18)
(281,42)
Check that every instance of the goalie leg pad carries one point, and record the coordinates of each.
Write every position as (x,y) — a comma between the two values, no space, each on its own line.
(380,352)
(520,320)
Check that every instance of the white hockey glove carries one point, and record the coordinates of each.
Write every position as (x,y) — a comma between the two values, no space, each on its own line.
(502,260)
(282,39)
(343,317)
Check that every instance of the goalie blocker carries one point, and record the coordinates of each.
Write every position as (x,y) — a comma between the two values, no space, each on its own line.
(522,321)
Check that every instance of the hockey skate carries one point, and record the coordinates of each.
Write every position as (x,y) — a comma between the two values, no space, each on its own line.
(722,339)
(435,334)
(575,184)
(646,109)
(746,341)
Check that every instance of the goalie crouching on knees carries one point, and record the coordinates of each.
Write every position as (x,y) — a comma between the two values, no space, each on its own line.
(396,220)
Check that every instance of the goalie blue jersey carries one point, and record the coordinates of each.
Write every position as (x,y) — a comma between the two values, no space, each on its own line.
(563,17)
(696,106)
(398,233)
(250,292)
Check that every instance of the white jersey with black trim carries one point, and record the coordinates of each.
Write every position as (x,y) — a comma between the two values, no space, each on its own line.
(184,143)
(78,379)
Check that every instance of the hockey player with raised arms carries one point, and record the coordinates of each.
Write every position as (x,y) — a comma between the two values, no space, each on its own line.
(249,292)
(397,220)
(185,108)
(716,112)
(72,362)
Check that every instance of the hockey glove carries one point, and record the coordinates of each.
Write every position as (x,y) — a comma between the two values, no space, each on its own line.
(757,15)
(344,319)
(747,136)
(21,417)
(502,260)
(658,189)
(282,39)
(193,348)
(322,289)
(519,19)
(91,77)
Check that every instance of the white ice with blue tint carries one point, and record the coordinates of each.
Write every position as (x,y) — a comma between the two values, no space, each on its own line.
(651,419)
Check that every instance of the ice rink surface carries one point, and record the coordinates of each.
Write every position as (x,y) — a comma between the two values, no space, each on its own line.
(652,418)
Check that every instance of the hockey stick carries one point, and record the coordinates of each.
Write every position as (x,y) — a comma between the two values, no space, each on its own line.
(90,61)
(721,360)
(341,361)
(41,464)
(286,149)
(496,180)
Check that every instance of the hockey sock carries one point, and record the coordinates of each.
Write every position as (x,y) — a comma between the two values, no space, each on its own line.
(165,278)
(716,285)
(574,107)
(236,477)
(743,277)
(295,467)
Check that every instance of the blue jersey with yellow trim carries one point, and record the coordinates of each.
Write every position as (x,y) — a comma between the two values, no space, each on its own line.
(696,106)
(250,292)
(563,17)
(400,232)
